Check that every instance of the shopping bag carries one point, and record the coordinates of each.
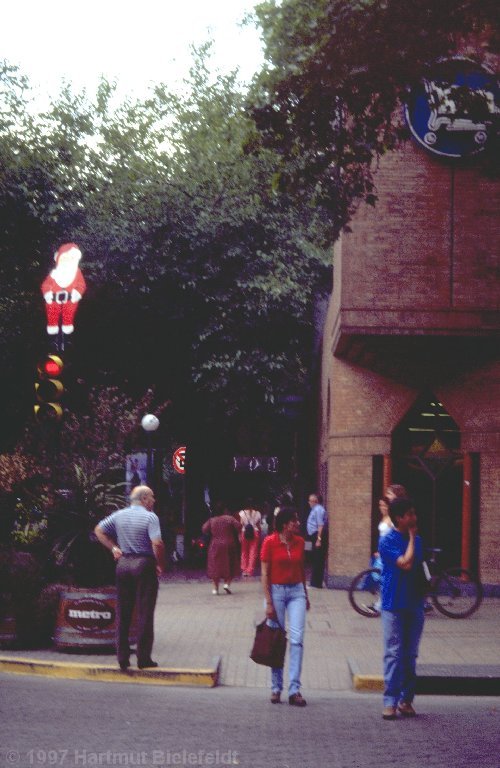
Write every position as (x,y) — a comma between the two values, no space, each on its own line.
(269,646)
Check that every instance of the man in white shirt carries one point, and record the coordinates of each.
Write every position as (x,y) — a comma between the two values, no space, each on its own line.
(317,530)
(134,538)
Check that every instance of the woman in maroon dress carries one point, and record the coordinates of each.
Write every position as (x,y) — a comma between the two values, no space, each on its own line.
(223,550)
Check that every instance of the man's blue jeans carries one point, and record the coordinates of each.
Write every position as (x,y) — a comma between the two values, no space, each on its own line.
(290,599)
(402,631)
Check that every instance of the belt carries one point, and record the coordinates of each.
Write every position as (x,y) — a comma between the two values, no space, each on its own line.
(62,297)
(138,554)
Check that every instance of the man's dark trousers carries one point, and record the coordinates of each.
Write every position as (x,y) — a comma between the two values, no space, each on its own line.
(136,585)
(318,557)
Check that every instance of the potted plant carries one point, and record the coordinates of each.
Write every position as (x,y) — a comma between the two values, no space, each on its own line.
(81,469)
(87,608)
(24,529)
(89,497)
(22,582)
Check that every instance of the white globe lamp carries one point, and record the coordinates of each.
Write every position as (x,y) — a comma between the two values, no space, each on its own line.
(150,422)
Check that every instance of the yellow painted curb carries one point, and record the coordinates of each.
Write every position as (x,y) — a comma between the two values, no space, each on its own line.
(208,677)
(362,682)
(368,683)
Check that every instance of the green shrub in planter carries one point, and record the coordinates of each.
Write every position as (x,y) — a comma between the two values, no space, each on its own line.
(22,582)
(46,609)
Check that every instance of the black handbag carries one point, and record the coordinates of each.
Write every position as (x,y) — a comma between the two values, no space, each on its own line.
(269,646)
(249,530)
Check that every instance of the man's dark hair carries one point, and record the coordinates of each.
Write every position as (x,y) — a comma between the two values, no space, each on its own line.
(283,517)
(398,508)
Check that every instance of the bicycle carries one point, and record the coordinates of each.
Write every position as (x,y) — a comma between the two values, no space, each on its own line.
(454,592)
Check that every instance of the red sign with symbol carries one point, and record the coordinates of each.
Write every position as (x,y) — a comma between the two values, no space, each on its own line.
(179,459)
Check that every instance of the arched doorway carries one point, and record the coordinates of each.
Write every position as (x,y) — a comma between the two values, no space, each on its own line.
(426,458)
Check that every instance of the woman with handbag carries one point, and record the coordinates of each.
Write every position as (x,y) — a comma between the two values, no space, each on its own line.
(284,584)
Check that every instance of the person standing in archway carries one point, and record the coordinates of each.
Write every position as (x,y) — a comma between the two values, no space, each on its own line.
(317,530)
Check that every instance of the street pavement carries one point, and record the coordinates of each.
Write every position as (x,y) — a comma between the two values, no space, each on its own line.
(69,723)
(198,632)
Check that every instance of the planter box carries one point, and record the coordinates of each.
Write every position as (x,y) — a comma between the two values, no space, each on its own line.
(87,618)
(8,632)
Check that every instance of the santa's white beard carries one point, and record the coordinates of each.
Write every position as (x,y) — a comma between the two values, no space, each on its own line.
(64,274)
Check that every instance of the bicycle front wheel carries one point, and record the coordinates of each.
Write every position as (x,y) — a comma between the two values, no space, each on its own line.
(457,593)
(364,593)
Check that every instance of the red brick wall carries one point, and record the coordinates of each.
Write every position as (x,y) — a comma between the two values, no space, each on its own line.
(423,262)
(398,252)
(476,245)
(431,242)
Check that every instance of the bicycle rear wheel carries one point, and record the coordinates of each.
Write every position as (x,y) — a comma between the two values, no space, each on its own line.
(457,593)
(364,593)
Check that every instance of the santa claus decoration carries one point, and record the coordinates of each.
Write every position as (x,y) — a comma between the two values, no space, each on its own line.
(62,289)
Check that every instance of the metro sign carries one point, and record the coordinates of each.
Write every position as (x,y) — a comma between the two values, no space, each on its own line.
(255,463)
(90,614)
(179,460)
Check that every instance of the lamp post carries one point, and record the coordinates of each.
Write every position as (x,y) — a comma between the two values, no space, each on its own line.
(291,407)
(150,424)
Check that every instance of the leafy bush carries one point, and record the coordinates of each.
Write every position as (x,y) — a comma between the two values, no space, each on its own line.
(22,582)
(46,609)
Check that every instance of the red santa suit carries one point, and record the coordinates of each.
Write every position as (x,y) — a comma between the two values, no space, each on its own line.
(63,289)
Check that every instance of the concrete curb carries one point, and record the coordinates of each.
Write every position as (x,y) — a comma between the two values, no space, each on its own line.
(438,679)
(208,677)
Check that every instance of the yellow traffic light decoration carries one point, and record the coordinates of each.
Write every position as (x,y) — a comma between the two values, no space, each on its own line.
(49,389)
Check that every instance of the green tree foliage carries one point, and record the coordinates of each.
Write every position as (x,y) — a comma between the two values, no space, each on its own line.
(86,458)
(201,275)
(248,267)
(338,71)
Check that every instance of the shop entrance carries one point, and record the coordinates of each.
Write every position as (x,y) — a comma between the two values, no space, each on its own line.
(426,459)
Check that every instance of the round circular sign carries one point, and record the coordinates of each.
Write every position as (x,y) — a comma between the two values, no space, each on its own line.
(451,112)
(89,614)
(179,460)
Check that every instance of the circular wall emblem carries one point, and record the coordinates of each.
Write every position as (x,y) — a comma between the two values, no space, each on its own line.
(89,614)
(452,112)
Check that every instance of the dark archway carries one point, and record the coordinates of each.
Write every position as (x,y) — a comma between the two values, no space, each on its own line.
(427,460)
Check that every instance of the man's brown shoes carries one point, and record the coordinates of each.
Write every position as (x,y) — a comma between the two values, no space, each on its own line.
(406,709)
(295,699)
(389,713)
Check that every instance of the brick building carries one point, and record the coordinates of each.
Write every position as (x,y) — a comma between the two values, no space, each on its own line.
(410,382)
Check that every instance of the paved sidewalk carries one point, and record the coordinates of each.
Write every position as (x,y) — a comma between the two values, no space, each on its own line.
(194,629)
